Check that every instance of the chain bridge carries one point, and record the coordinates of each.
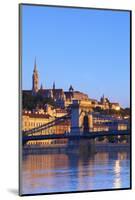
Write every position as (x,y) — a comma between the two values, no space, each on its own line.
(81,126)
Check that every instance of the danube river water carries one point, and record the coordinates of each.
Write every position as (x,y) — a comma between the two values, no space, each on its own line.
(48,173)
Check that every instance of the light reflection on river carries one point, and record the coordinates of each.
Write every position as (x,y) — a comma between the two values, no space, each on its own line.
(47,173)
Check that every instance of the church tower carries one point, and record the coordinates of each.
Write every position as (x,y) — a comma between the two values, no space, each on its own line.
(35,80)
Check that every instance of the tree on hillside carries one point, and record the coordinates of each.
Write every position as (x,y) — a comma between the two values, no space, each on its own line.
(30,101)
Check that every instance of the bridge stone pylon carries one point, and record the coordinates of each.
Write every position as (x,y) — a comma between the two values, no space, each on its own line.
(81,117)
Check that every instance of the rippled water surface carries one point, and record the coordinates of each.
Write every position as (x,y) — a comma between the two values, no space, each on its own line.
(47,173)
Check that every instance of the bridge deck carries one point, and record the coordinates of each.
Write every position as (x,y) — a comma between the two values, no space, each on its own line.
(89,135)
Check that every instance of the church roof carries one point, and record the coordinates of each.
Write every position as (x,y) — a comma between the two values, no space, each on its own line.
(58,92)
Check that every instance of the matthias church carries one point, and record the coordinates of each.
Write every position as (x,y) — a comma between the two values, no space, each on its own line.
(63,98)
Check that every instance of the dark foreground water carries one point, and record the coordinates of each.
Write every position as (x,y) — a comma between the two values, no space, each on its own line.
(47,173)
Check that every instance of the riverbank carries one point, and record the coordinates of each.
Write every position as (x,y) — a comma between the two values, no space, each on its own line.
(112,147)
(64,148)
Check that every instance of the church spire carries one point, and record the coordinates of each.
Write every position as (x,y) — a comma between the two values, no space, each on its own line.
(41,87)
(35,79)
(35,65)
(71,89)
(54,85)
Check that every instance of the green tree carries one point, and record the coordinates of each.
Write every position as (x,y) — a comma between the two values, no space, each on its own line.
(30,101)
(100,138)
(111,138)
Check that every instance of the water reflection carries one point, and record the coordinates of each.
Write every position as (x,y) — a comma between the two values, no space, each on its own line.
(117,170)
(72,172)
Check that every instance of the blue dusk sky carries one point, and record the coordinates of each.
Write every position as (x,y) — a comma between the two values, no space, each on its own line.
(87,48)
